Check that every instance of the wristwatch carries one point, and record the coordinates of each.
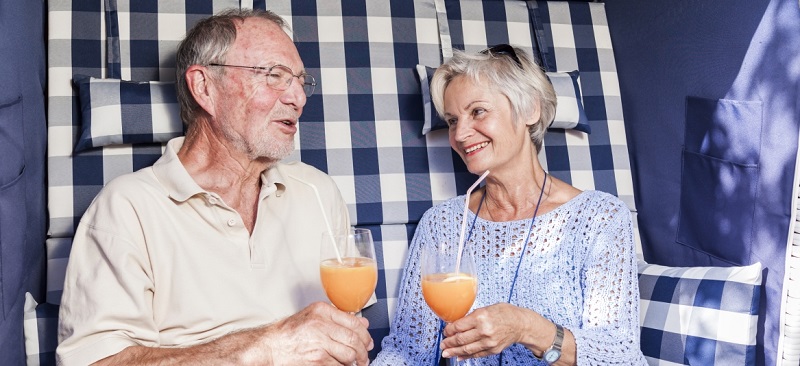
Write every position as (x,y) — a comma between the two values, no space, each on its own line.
(553,353)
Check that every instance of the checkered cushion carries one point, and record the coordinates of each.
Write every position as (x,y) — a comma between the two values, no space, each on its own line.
(699,315)
(39,327)
(115,112)
(569,107)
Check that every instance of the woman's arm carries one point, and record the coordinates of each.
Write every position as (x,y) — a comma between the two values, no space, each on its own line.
(610,331)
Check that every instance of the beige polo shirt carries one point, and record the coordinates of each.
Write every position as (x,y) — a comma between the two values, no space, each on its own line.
(158,261)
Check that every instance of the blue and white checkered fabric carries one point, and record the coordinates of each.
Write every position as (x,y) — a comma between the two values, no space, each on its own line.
(699,315)
(116,112)
(39,327)
(364,124)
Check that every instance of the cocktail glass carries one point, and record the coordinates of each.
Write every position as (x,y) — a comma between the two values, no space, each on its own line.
(348,269)
(449,288)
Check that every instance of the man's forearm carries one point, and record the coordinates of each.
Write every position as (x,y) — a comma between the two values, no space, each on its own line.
(240,348)
(317,335)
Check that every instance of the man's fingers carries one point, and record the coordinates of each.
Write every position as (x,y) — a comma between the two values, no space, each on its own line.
(358,325)
(353,340)
(343,354)
(329,336)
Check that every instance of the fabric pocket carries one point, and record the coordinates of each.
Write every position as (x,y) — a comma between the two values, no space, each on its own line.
(719,177)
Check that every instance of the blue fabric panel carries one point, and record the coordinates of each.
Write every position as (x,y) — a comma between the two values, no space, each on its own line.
(666,51)
(22,147)
(12,235)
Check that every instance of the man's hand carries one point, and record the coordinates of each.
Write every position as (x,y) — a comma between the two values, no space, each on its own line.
(319,335)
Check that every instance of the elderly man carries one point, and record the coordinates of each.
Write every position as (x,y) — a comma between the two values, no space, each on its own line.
(210,256)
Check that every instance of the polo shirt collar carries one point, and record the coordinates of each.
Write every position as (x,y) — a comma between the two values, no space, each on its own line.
(272,181)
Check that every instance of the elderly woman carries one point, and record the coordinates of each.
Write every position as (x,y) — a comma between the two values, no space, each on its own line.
(556,266)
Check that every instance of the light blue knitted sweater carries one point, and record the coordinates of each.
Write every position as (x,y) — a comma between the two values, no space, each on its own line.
(579,270)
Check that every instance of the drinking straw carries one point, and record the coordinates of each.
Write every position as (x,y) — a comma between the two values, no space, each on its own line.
(324,216)
(464,220)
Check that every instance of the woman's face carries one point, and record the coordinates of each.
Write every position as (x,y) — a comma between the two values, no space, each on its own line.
(482,131)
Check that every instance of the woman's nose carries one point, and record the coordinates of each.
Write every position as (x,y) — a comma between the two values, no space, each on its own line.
(463,130)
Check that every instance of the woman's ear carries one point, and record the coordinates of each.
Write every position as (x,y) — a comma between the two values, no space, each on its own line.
(200,86)
(534,117)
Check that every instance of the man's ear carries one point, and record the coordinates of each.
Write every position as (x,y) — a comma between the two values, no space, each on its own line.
(200,86)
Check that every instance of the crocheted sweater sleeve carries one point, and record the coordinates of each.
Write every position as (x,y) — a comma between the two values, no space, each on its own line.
(608,332)
(414,334)
(578,270)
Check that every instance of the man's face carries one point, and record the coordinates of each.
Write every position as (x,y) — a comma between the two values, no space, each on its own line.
(255,119)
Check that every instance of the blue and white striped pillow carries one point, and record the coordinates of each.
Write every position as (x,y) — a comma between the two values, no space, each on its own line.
(570,114)
(117,112)
(699,315)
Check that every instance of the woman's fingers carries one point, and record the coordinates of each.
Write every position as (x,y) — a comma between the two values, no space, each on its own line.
(485,331)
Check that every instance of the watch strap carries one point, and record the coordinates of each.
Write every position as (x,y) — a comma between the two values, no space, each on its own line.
(555,348)
(558,341)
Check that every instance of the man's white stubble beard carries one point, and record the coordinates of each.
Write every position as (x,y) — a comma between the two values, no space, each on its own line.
(261,145)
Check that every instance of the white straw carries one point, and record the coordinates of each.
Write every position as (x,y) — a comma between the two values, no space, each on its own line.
(324,216)
(464,220)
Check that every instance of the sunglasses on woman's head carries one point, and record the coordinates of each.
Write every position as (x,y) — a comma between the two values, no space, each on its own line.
(503,49)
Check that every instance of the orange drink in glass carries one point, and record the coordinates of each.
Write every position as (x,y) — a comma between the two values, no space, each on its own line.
(348,270)
(449,295)
(449,284)
(349,284)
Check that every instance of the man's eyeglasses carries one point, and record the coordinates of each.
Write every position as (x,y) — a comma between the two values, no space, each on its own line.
(280,77)
(503,49)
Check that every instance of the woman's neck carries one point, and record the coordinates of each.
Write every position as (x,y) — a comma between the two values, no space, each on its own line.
(509,199)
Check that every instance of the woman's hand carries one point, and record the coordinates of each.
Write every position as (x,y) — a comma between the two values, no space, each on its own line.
(488,331)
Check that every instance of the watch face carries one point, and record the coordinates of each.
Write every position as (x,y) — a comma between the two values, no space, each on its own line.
(552,355)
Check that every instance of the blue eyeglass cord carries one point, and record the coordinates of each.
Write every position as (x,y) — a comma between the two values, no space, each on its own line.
(516,272)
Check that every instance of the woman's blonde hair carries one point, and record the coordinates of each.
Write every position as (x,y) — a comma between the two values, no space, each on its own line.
(515,75)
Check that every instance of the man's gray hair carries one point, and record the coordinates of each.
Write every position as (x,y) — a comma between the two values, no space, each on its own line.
(208,42)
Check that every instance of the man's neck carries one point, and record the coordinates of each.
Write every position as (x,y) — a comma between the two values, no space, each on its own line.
(219,168)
